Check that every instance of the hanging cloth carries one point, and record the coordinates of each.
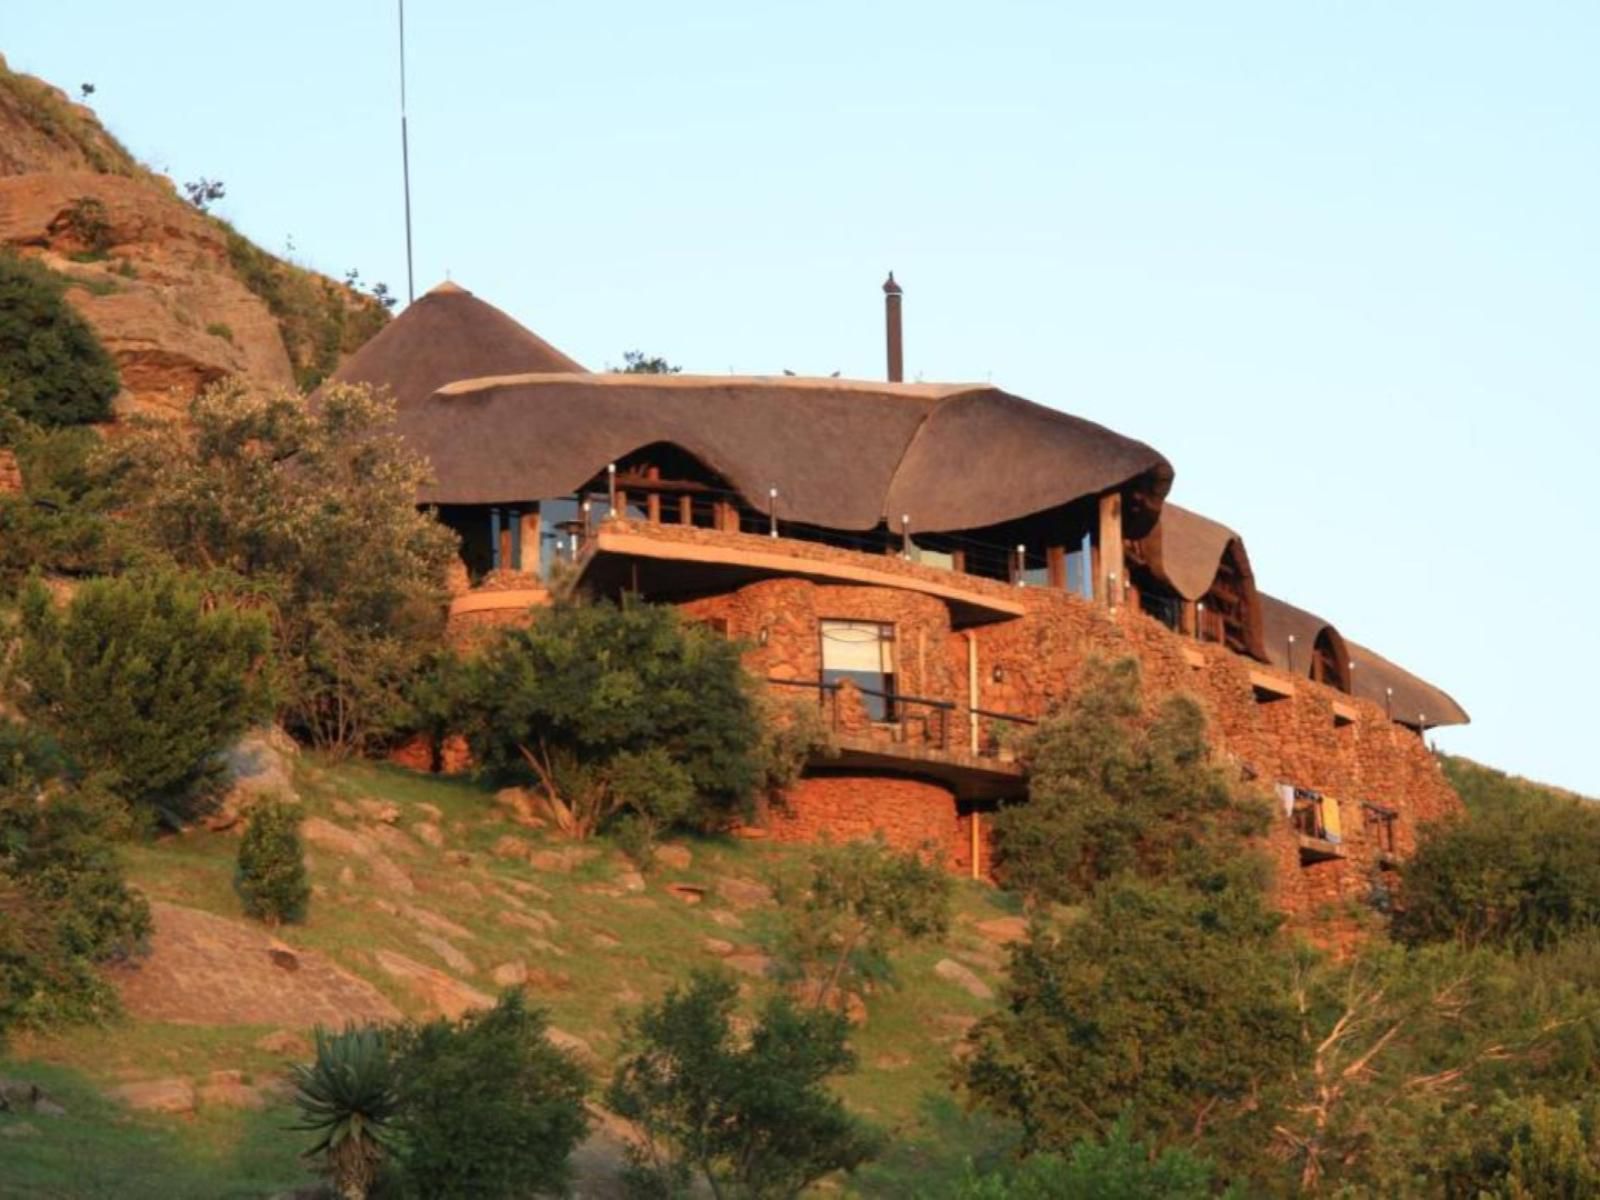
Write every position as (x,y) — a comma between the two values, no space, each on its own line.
(1330,820)
(1286,795)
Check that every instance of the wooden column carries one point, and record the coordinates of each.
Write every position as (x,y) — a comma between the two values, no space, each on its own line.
(529,541)
(1110,577)
(1056,561)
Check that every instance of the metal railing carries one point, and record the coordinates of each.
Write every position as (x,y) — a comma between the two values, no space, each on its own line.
(926,715)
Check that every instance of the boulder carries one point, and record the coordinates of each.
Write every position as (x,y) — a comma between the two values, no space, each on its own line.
(259,764)
(510,974)
(1002,931)
(453,957)
(750,962)
(285,1043)
(439,991)
(564,860)
(227,1089)
(385,812)
(689,893)
(717,946)
(675,856)
(520,805)
(325,835)
(429,834)
(512,847)
(431,921)
(536,921)
(744,893)
(964,978)
(156,1095)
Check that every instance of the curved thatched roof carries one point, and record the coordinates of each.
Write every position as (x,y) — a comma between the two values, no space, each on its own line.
(448,334)
(1415,702)
(842,453)
(1281,620)
(1185,550)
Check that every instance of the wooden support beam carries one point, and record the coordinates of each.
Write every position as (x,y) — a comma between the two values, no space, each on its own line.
(1109,578)
(528,540)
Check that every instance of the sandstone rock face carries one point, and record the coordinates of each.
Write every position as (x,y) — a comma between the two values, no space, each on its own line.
(439,991)
(167,288)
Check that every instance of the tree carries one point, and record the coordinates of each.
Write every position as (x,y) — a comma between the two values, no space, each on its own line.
(636,362)
(203,192)
(1521,874)
(64,908)
(1166,1002)
(753,1116)
(61,522)
(310,511)
(53,370)
(859,903)
(489,1108)
(617,709)
(271,879)
(144,683)
(1112,791)
(348,1097)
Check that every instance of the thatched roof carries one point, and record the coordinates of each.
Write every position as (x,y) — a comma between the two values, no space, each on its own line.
(842,453)
(1415,702)
(1370,674)
(446,335)
(1185,550)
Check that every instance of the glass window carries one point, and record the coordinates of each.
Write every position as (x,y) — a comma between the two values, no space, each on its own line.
(862,652)
(1080,568)
(560,530)
(932,558)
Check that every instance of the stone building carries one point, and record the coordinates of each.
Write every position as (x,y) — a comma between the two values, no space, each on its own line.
(930,564)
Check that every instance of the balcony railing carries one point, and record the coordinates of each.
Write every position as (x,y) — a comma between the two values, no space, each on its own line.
(915,720)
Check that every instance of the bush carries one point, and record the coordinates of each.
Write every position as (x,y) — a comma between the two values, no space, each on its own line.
(61,522)
(859,902)
(143,683)
(1168,1001)
(53,370)
(310,512)
(1521,874)
(754,1116)
(1112,791)
(618,709)
(271,879)
(1118,1168)
(489,1108)
(64,908)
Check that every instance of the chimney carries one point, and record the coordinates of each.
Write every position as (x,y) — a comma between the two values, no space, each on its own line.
(891,314)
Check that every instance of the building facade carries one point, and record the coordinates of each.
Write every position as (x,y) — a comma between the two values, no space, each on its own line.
(932,566)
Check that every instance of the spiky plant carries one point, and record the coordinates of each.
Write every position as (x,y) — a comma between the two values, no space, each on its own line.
(348,1096)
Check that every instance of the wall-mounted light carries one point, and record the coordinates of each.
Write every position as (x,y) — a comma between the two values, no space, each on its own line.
(761,637)
(998,674)
(772,510)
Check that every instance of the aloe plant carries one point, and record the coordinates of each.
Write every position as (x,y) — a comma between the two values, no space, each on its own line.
(348,1096)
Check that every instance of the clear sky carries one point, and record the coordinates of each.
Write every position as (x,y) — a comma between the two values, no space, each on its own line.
(1337,260)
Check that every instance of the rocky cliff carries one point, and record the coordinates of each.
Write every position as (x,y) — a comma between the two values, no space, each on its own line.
(177,296)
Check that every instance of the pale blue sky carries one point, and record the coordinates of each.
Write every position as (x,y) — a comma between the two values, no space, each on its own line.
(1337,260)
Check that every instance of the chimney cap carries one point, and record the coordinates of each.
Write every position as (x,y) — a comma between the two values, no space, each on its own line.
(890,287)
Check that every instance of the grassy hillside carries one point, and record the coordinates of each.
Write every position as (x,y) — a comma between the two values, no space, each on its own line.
(604,948)
(1482,787)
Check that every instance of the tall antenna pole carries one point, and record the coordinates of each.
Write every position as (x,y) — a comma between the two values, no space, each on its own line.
(405,156)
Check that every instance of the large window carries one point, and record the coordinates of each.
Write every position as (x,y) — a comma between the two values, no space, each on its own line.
(862,652)
(1080,567)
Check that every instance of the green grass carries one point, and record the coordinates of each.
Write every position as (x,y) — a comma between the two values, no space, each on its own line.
(905,1048)
(1480,786)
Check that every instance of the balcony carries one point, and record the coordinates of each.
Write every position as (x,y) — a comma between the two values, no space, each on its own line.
(935,739)
(667,562)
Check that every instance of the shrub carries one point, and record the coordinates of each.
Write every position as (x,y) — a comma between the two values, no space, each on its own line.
(1112,791)
(618,709)
(1168,1001)
(140,681)
(347,1096)
(859,902)
(311,510)
(754,1116)
(64,908)
(271,878)
(1118,1168)
(53,370)
(61,521)
(1512,874)
(489,1108)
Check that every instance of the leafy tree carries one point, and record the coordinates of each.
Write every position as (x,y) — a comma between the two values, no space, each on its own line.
(1118,1168)
(636,362)
(53,370)
(859,902)
(489,1108)
(617,709)
(1165,1001)
(309,510)
(1524,1147)
(1522,874)
(60,522)
(753,1116)
(64,908)
(203,192)
(347,1096)
(271,879)
(141,681)
(1111,791)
